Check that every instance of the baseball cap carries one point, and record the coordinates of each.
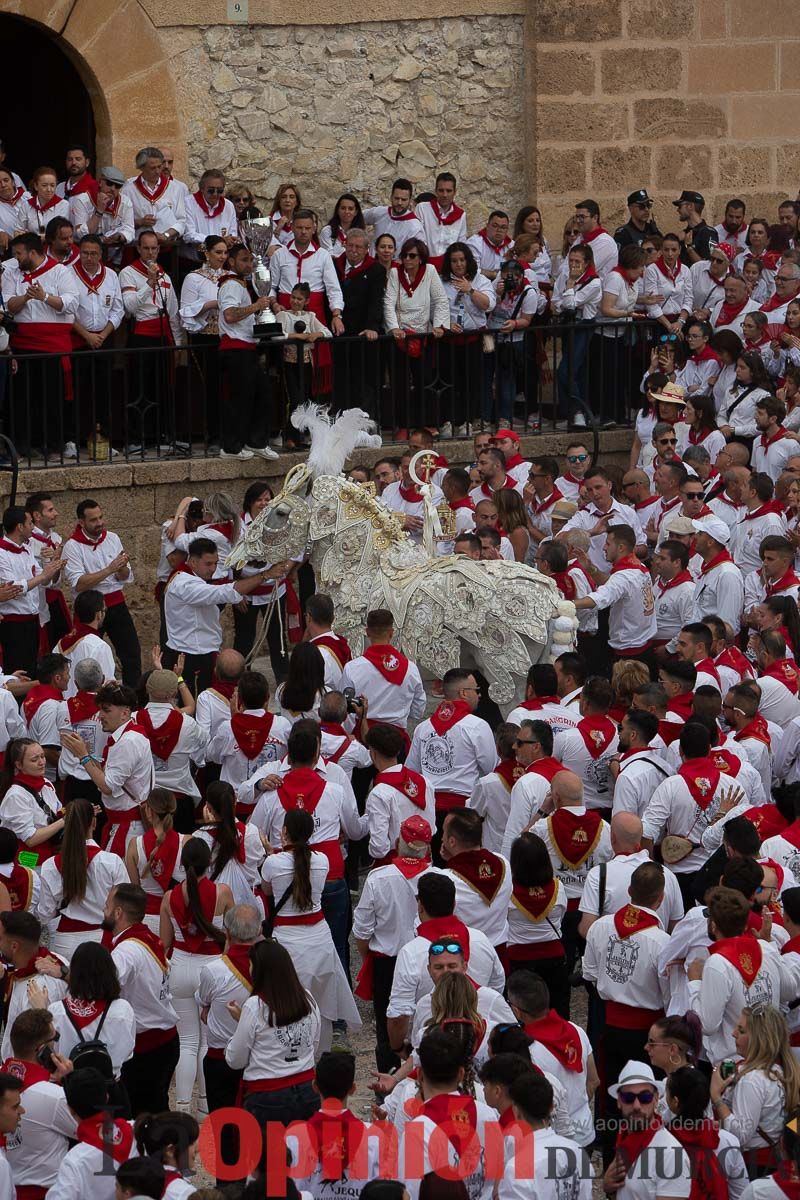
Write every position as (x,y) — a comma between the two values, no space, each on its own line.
(415,829)
(679,524)
(506,433)
(640,197)
(687,197)
(112,174)
(714,527)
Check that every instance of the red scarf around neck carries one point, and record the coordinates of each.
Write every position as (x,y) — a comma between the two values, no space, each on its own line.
(302,787)
(481,869)
(392,664)
(574,835)
(202,203)
(448,714)
(92,285)
(405,283)
(83,1012)
(140,933)
(452,217)
(79,535)
(630,919)
(164,738)
(110,1136)
(37,696)
(162,856)
(560,1037)
(723,556)
(406,781)
(631,1142)
(535,902)
(743,953)
(76,634)
(702,779)
(251,732)
(785,672)
(757,729)
(144,188)
(598,733)
(509,770)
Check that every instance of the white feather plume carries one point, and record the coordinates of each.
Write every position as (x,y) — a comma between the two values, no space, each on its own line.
(333,439)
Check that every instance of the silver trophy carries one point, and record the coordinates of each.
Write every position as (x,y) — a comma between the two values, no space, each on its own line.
(257,236)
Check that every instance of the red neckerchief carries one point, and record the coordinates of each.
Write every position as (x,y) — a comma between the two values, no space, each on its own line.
(406,781)
(702,779)
(538,703)
(588,238)
(768,821)
(669,273)
(392,664)
(33,783)
(79,630)
(574,835)
(766,442)
(237,960)
(83,1012)
(597,734)
(140,933)
(492,246)
(481,869)
(448,714)
(163,739)
(548,502)
(589,274)
(203,204)
(338,1134)
(725,762)
(454,214)
(37,696)
(409,868)
(574,565)
(250,733)
(79,535)
(456,1116)
(784,671)
(537,902)
(346,270)
(560,1037)
(762,341)
(729,312)
(27,972)
(629,563)
(681,577)
(92,285)
(697,436)
(162,280)
(631,1142)
(463,502)
(722,557)
(144,189)
(105,1134)
(20,887)
(629,920)
(131,727)
(410,494)
(708,667)
(700,1143)
(509,770)
(213,831)
(682,705)
(225,687)
(769,258)
(445,929)
(27,1073)
(86,183)
(789,580)
(301,257)
(46,266)
(223,527)
(547,767)
(743,953)
(515,460)
(705,355)
(15,199)
(775,302)
(405,283)
(640,504)
(488,492)
(54,200)
(757,729)
(91,852)
(191,934)
(565,584)
(302,788)
(161,858)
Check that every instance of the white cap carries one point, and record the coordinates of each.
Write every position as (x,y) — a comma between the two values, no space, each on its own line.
(714,527)
(636,1072)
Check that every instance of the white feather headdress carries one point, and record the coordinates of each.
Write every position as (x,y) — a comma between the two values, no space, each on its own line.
(333,439)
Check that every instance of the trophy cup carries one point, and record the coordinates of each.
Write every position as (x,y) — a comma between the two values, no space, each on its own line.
(257,235)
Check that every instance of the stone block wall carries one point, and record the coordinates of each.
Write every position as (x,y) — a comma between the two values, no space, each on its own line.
(641,93)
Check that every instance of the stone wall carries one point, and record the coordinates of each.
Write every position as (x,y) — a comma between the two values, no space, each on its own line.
(137,498)
(335,108)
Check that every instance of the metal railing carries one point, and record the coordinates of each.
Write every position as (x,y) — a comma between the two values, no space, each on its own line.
(132,403)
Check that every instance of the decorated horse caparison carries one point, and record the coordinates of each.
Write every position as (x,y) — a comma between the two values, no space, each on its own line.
(449,611)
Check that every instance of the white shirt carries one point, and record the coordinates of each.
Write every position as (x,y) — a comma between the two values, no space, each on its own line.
(146,303)
(128,770)
(582,298)
(723,507)
(619,870)
(144,985)
(778,703)
(720,592)
(396,704)
(84,1175)
(175,772)
(56,989)
(774,457)
(120,222)
(333,667)
(315,268)
(740,414)
(118,1031)
(570,749)
(200,225)
(335,810)
(573,1082)
(587,518)
(574,878)
(455,760)
(197,290)
(56,280)
(463,309)
(11,211)
(673,810)
(758,1103)
(605,250)
(92,733)
(386,910)
(21,813)
(268,1051)
(488,255)
(706,291)
(527,796)
(719,997)
(169,208)
(490,916)
(626,969)
(236,766)
(36,1149)
(234,293)
(218,985)
(17,565)
(491,797)
(412,979)
(560,1172)
(192,615)
(738,321)
(628,595)
(638,778)
(33,219)
(90,646)
(383,220)
(100,305)
(43,728)
(103,873)
(392,498)
(436,235)
(11,722)
(748,534)
(424,309)
(674,294)
(674,608)
(80,559)
(422,1131)
(386,809)
(212,708)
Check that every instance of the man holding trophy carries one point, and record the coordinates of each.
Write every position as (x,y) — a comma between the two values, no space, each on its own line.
(244,318)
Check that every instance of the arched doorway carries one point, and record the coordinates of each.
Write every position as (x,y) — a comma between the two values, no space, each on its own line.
(46,106)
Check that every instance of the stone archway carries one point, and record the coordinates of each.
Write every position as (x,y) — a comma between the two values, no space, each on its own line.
(125,68)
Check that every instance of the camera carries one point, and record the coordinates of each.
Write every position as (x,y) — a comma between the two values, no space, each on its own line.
(353,704)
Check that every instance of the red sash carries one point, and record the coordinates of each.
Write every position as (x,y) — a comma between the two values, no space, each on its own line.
(83,1012)
(36,697)
(482,870)
(302,787)
(757,729)
(338,647)
(631,1142)
(140,933)
(27,1073)
(76,634)
(161,859)
(408,782)
(392,665)
(109,1136)
(536,902)
(743,953)
(509,770)
(597,733)
(629,920)
(448,714)
(195,941)
(574,835)
(546,767)
(164,739)
(250,733)
(702,779)
(784,671)
(560,1037)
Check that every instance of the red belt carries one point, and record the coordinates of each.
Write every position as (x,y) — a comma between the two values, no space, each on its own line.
(216,1052)
(154,327)
(625,1016)
(205,949)
(446,801)
(632,651)
(119,822)
(19,618)
(301,919)
(573,903)
(30,1191)
(243,811)
(112,599)
(276,1085)
(230,343)
(332,850)
(153,904)
(69,925)
(528,951)
(151,1039)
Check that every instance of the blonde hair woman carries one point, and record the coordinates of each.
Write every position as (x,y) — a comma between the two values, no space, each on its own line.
(513,520)
(626,676)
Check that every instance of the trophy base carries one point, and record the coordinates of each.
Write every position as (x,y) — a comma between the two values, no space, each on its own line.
(267,329)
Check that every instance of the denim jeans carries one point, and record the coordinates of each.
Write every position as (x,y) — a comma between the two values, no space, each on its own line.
(572,371)
(339,914)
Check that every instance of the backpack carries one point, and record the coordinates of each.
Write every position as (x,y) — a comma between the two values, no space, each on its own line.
(92,1052)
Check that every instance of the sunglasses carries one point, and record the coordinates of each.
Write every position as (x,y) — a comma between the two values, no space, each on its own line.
(668,337)
(632,1097)
(724,261)
(573,458)
(667,441)
(215,191)
(693,495)
(411,254)
(445,948)
(525,741)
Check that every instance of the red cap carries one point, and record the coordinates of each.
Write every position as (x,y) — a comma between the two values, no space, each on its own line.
(506,433)
(415,829)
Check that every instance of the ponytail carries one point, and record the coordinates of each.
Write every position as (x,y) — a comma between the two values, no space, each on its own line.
(162,802)
(74,860)
(299,826)
(195,860)
(221,799)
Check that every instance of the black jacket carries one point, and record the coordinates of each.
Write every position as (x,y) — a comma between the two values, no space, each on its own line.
(363,297)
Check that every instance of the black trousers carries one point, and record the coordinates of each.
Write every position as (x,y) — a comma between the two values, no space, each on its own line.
(246,627)
(245,415)
(120,630)
(147,1077)
(356,375)
(19,641)
(150,412)
(198,669)
(38,410)
(222,1091)
(385,1057)
(573,945)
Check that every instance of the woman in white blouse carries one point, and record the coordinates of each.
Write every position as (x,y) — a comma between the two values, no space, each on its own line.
(611,350)
(43,204)
(30,806)
(470,296)
(754,1101)
(347,215)
(300,693)
(577,294)
(199,313)
(415,302)
(11,200)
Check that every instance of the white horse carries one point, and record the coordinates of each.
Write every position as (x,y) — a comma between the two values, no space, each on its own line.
(449,611)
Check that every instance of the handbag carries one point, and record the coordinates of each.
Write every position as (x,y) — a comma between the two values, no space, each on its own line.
(675,849)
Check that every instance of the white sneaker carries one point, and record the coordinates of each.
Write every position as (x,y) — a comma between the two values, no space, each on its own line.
(262,451)
(446,430)
(580,420)
(243,454)
(70,450)
(277,442)
(462,430)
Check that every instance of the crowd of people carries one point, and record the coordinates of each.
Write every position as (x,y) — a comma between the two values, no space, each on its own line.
(407,309)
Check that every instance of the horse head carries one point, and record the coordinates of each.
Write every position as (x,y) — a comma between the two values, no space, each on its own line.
(280,531)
